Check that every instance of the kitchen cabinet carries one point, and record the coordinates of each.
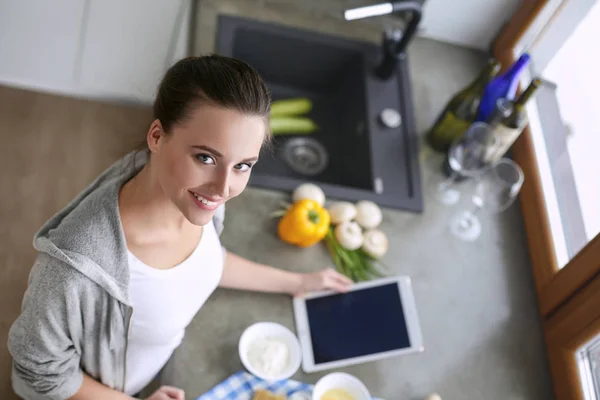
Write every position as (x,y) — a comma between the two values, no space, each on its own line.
(104,49)
(39,43)
(469,23)
(130,44)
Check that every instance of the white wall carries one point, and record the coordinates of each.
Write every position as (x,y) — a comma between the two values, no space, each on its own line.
(470,23)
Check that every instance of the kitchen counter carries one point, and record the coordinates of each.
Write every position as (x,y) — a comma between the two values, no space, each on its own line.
(476,301)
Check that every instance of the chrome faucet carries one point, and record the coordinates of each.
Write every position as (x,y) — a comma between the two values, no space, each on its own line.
(394,40)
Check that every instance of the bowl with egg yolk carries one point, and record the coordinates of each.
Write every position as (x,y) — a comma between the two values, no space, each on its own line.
(340,386)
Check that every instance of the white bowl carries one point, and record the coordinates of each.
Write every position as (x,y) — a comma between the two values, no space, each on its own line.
(341,380)
(271,329)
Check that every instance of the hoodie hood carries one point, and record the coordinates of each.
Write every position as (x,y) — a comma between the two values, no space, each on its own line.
(76,310)
(87,234)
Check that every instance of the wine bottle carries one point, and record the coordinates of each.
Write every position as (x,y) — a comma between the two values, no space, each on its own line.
(502,111)
(518,118)
(506,133)
(504,85)
(504,108)
(460,111)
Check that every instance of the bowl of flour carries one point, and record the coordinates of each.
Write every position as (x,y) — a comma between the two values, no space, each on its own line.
(270,351)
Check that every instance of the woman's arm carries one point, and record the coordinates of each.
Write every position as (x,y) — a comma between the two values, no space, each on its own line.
(91,389)
(240,273)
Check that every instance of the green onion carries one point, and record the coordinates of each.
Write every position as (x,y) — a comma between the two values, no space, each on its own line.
(355,264)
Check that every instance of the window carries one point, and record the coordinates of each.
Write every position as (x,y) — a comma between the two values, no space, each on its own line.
(589,369)
(565,120)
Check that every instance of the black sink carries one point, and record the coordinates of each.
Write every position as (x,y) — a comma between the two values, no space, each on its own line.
(352,156)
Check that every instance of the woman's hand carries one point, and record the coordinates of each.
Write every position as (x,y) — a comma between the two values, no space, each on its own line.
(240,273)
(323,280)
(167,393)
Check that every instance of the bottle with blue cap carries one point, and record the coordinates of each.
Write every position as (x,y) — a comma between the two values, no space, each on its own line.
(503,86)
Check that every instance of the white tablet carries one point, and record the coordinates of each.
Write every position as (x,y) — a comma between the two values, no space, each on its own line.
(375,320)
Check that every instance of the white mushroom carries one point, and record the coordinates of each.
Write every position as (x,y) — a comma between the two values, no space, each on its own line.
(349,235)
(375,243)
(368,214)
(309,191)
(342,211)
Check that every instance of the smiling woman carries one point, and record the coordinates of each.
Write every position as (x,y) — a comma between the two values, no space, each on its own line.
(211,121)
(123,269)
(206,158)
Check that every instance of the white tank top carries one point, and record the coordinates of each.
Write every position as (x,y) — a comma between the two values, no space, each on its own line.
(164,303)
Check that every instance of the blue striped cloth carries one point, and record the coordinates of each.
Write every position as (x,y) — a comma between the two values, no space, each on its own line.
(242,385)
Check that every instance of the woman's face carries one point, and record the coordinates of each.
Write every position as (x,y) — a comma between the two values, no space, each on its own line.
(206,159)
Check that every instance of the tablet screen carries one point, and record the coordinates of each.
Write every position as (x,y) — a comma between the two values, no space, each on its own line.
(357,323)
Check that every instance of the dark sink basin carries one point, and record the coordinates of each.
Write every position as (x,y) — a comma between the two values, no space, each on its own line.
(352,156)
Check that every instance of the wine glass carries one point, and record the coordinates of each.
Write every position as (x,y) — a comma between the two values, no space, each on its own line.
(495,190)
(467,158)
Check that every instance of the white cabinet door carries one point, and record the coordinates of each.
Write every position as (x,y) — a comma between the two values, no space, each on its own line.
(39,43)
(471,23)
(128,45)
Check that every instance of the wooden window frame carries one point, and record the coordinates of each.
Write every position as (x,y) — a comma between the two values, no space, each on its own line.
(554,286)
(568,298)
(569,328)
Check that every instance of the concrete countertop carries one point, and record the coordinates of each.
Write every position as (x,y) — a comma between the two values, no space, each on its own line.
(476,301)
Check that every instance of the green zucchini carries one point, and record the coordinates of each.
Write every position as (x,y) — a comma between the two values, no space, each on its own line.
(290,107)
(292,125)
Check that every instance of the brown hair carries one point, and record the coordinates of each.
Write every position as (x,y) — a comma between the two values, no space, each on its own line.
(211,79)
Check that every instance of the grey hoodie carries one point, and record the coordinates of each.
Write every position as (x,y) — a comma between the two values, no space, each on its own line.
(76,311)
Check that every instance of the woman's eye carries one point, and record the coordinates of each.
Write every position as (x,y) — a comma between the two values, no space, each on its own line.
(205,159)
(243,167)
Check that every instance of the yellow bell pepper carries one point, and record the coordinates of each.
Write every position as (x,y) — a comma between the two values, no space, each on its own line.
(304,224)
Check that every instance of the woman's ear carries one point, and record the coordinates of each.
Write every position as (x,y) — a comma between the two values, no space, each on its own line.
(155,135)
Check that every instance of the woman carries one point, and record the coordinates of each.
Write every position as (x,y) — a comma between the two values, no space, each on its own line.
(122,270)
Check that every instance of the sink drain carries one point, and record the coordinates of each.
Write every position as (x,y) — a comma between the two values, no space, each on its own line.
(305,156)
